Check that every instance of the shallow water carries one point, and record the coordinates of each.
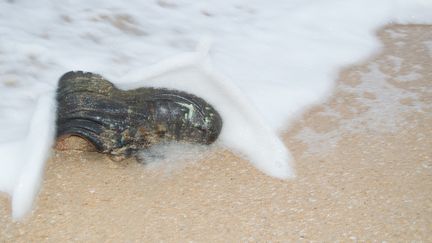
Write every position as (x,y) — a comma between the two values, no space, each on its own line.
(268,63)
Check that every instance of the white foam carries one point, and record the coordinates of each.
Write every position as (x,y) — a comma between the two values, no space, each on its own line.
(271,61)
(23,160)
(170,157)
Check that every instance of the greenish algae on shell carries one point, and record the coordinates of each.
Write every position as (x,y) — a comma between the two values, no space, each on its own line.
(120,123)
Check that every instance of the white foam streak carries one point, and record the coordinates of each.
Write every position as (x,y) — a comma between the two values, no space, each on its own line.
(23,161)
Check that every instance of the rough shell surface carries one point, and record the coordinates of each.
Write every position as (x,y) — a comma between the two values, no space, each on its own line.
(120,123)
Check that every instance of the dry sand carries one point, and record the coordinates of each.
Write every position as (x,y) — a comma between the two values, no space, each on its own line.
(363,161)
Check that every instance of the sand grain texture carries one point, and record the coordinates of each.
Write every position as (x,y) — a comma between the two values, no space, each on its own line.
(363,161)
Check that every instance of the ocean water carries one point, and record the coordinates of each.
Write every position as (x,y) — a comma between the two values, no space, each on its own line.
(260,64)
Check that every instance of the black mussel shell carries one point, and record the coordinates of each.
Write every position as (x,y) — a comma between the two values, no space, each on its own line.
(120,123)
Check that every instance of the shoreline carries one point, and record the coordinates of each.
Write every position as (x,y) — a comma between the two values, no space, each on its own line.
(363,162)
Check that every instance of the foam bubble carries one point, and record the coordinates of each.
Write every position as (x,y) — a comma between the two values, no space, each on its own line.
(170,157)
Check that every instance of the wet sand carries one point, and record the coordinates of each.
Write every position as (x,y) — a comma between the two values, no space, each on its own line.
(363,160)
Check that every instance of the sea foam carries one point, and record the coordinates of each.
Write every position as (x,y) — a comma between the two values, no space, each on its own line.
(268,63)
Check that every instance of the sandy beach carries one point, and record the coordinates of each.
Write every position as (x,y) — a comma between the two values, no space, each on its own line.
(363,160)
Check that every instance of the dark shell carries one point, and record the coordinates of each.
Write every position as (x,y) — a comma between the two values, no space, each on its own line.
(120,123)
